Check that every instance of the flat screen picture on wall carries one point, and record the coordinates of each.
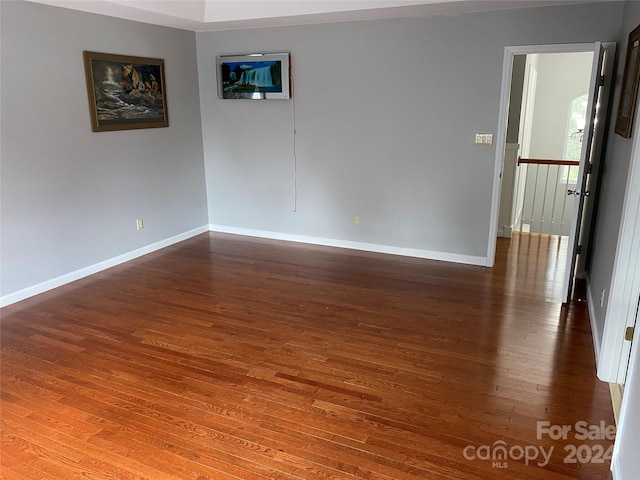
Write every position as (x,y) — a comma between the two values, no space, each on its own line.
(256,76)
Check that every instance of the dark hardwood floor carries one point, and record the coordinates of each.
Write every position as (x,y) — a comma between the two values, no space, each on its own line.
(227,357)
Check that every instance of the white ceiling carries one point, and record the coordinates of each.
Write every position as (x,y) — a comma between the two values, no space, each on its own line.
(211,15)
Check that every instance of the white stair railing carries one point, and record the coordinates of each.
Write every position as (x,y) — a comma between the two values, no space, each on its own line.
(543,203)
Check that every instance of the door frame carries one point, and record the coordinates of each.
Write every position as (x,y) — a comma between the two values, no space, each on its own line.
(503,116)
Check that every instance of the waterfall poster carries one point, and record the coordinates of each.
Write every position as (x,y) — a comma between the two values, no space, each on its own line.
(257,76)
(125,92)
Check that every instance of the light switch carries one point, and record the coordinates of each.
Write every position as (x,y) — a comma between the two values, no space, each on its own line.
(484,139)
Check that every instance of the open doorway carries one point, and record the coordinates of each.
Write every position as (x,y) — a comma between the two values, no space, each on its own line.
(547,115)
(547,112)
(539,164)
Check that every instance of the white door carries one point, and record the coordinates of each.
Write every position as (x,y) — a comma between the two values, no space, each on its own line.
(591,146)
(626,461)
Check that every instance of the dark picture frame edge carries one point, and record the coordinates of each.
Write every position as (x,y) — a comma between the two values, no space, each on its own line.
(144,92)
(629,91)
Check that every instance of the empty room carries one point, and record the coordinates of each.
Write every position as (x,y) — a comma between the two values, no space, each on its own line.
(378,239)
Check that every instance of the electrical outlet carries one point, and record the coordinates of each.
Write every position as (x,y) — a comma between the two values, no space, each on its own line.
(602,297)
(139,224)
(356,220)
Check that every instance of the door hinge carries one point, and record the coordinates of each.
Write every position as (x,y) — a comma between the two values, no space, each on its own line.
(628,334)
(590,168)
(579,250)
(601,81)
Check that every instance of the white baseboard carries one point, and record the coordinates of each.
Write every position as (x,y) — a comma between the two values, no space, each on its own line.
(615,469)
(368,247)
(112,262)
(592,320)
(505,231)
(98,267)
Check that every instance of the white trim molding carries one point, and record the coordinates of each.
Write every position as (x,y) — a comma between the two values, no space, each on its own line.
(97,267)
(624,461)
(367,247)
(592,320)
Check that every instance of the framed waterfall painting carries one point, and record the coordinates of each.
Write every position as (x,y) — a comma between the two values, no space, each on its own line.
(125,92)
(256,76)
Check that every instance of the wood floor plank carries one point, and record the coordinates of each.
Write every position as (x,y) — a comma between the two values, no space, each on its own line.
(228,357)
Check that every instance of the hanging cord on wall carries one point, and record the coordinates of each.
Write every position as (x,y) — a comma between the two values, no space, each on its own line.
(295,157)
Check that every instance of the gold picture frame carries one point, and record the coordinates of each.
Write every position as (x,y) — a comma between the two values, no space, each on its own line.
(629,92)
(125,92)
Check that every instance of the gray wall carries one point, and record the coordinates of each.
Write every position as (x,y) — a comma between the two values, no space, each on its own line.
(386,113)
(613,173)
(515,97)
(561,78)
(70,197)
